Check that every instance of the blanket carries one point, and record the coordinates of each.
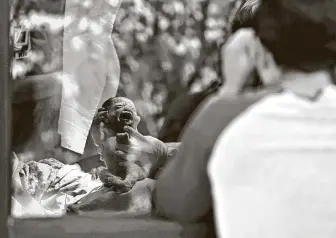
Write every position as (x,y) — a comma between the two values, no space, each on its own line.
(49,188)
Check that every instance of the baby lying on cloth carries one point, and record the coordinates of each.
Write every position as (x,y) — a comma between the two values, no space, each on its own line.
(124,185)
(128,177)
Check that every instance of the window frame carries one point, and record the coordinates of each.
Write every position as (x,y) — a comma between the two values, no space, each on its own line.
(5,116)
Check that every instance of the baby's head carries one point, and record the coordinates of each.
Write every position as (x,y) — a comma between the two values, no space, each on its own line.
(121,112)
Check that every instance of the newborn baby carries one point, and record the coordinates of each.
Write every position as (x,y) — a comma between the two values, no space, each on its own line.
(132,160)
(121,172)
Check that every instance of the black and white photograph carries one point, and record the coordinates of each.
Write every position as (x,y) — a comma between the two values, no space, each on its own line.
(169,118)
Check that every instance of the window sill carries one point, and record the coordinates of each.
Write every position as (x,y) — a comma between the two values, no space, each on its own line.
(98,225)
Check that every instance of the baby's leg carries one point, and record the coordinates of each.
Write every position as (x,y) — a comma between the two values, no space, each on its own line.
(136,200)
(109,179)
(134,173)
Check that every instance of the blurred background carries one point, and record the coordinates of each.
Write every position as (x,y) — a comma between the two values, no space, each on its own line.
(169,54)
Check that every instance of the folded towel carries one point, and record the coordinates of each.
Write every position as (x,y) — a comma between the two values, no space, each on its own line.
(90,67)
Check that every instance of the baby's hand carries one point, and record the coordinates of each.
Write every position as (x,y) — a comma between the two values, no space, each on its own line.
(123,138)
(100,116)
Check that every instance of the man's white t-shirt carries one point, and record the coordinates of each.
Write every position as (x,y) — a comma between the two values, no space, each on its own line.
(273,169)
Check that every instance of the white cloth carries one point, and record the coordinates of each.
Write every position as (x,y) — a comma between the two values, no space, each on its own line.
(47,190)
(272,171)
(91,67)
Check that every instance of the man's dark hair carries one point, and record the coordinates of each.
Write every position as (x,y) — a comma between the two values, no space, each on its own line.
(245,15)
(297,40)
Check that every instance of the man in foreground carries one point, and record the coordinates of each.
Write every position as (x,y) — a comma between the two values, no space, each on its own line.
(272,167)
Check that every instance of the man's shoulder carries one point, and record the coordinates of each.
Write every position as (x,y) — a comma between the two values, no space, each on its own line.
(218,111)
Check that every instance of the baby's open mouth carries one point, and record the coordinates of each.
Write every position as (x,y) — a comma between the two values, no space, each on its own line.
(125,116)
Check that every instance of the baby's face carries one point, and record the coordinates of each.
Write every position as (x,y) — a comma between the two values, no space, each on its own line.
(121,113)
